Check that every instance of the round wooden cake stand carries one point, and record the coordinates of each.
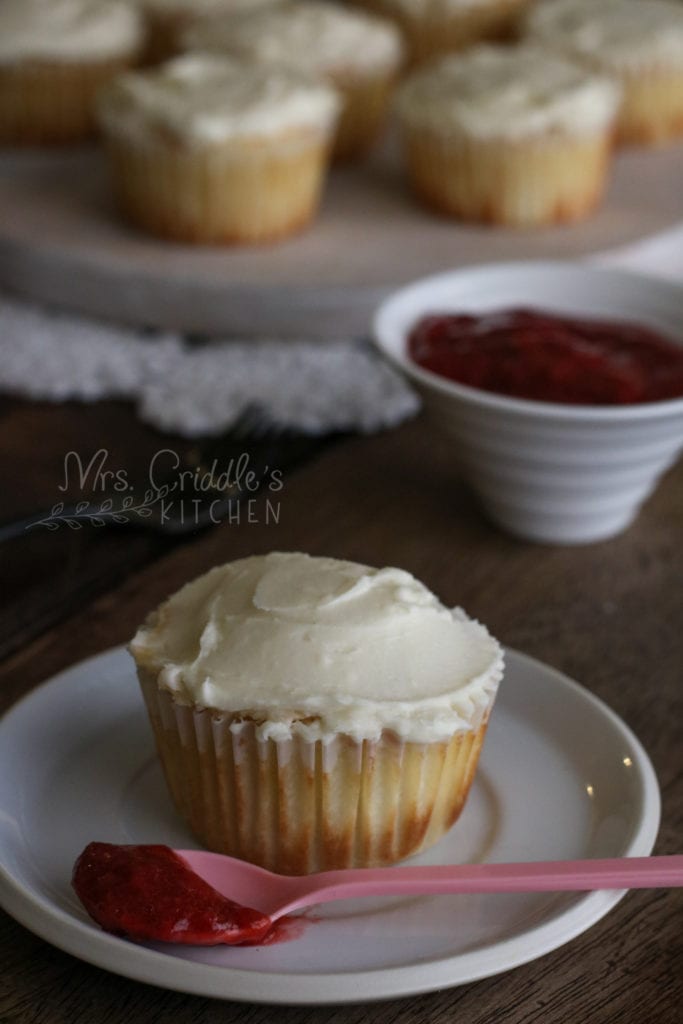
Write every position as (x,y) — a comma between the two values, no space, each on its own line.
(62,242)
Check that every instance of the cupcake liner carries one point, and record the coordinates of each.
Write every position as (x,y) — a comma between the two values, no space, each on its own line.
(245,190)
(651,110)
(49,102)
(365,103)
(433,33)
(299,805)
(548,180)
(650,76)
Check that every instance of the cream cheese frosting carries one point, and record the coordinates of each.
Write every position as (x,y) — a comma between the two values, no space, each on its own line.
(319,37)
(503,92)
(613,33)
(68,29)
(205,98)
(318,647)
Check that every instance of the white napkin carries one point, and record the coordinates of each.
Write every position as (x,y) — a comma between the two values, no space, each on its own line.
(661,255)
(198,389)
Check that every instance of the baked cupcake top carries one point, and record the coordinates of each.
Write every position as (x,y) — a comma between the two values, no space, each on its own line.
(319,37)
(71,30)
(205,98)
(316,647)
(614,33)
(504,92)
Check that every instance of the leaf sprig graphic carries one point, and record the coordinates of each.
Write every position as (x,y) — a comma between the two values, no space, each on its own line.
(100,514)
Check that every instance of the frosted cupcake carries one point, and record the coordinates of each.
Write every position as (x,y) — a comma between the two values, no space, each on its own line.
(508,135)
(434,27)
(640,44)
(168,19)
(312,713)
(54,57)
(208,149)
(359,54)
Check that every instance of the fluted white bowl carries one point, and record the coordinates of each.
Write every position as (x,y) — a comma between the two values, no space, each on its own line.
(545,471)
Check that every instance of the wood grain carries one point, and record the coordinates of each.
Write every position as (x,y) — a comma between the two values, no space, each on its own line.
(75,565)
(607,614)
(80,564)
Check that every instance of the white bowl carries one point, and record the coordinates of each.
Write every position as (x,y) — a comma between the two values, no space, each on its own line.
(544,471)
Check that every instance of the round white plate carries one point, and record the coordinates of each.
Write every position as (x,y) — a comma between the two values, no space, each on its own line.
(560,777)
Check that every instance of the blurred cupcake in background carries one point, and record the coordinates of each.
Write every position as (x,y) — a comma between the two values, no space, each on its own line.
(434,27)
(54,57)
(508,135)
(640,44)
(359,54)
(167,20)
(205,148)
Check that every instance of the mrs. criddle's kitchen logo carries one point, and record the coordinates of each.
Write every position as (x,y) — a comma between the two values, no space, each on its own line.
(173,492)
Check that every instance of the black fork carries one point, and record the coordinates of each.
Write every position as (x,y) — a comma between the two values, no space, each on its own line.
(216,476)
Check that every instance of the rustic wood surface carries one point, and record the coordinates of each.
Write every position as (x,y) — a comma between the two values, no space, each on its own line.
(608,614)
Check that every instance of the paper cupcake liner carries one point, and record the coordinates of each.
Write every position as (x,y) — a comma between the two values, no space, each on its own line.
(44,102)
(432,33)
(651,111)
(242,191)
(296,805)
(365,103)
(509,182)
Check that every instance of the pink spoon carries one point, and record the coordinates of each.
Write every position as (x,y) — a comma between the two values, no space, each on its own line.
(277,895)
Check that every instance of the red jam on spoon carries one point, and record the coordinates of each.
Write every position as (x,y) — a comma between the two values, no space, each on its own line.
(148,893)
(550,358)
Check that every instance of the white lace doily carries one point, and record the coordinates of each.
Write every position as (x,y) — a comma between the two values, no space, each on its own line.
(193,389)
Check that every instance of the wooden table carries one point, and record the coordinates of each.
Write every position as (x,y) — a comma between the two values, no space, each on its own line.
(607,614)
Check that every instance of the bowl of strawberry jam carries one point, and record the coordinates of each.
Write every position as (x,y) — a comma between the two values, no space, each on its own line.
(560,386)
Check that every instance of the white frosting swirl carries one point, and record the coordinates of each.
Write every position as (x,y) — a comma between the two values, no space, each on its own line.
(508,92)
(319,37)
(318,647)
(204,98)
(68,29)
(612,34)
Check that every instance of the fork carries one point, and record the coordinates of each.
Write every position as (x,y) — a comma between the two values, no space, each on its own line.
(268,445)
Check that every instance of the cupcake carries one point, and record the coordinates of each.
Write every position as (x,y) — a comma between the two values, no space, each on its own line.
(359,54)
(209,149)
(508,135)
(168,19)
(54,57)
(640,44)
(434,27)
(311,713)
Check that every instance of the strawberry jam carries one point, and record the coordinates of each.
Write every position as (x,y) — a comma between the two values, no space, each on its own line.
(149,893)
(550,358)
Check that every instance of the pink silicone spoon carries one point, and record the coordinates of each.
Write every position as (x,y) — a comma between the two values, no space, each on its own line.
(277,895)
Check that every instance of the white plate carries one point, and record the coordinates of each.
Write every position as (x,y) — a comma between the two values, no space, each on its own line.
(61,243)
(560,777)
